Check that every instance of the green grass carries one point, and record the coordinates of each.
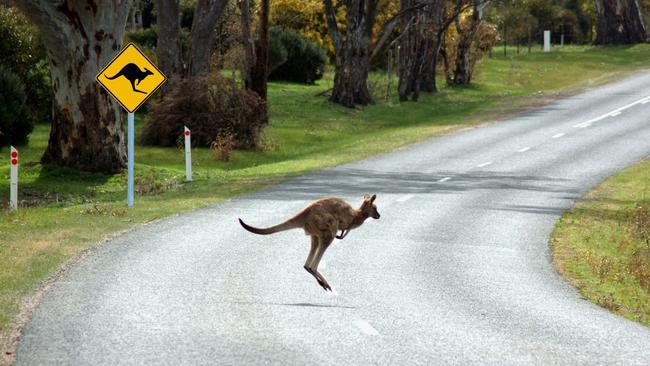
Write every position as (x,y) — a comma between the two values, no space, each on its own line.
(602,245)
(64,211)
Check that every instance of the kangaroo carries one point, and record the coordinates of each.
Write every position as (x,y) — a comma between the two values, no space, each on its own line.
(133,73)
(321,220)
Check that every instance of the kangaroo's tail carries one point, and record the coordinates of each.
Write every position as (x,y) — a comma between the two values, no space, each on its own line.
(287,225)
(114,76)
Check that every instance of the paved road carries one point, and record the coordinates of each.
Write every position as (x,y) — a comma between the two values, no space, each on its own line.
(456,271)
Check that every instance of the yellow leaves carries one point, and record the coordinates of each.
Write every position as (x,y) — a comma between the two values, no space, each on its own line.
(308,17)
(305,16)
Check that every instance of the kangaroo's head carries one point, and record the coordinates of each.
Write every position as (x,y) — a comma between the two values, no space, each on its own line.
(147,72)
(368,206)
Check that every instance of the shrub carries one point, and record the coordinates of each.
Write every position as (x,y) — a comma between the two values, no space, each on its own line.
(305,60)
(23,54)
(14,125)
(210,106)
(223,146)
(146,37)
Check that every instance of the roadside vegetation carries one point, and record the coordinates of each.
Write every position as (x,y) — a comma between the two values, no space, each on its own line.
(602,245)
(65,211)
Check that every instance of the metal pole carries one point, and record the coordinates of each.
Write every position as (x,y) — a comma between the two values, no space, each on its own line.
(131,148)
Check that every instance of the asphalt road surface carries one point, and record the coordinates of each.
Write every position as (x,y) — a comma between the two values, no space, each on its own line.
(456,271)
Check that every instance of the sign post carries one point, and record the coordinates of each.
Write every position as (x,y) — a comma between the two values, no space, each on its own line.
(130,159)
(188,154)
(547,41)
(13,188)
(130,78)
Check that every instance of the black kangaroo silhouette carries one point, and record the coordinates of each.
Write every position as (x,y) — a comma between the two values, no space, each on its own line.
(133,73)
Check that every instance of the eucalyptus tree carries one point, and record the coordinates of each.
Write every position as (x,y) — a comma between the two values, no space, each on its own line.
(352,48)
(619,22)
(80,37)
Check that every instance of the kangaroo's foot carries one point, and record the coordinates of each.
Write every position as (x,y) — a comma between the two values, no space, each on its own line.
(139,91)
(322,281)
(319,278)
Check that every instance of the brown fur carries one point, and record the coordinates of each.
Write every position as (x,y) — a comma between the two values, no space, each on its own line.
(321,220)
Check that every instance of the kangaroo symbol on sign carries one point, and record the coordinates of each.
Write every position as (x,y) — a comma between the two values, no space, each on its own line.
(132,73)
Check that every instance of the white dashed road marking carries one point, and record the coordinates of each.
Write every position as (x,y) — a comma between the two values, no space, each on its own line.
(484,164)
(615,112)
(524,149)
(365,327)
(405,198)
(444,179)
(559,135)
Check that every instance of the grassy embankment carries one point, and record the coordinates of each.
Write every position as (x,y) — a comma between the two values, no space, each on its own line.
(65,212)
(602,245)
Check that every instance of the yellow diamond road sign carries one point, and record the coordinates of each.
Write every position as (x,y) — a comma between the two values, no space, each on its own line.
(131,78)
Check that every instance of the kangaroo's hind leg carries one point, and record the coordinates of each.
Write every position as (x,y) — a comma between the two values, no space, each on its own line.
(324,242)
(310,258)
(312,253)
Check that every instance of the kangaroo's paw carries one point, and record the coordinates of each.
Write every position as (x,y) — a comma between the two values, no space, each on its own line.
(309,270)
(324,285)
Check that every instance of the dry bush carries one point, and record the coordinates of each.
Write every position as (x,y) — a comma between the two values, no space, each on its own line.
(639,267)
(641,224)
(223,145)
(209,106)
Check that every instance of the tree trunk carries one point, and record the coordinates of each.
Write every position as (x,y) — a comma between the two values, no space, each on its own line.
(420,44)
(206,15)
(464,63)
(80,37)
(351,73)
(259,72)
(352,51)
(168,48)
(134,20)
(619,22)
(248,43)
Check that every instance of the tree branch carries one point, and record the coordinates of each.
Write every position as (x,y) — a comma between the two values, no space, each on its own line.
(330,14)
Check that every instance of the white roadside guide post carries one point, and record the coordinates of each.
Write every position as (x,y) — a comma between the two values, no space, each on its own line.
(119,78)
(13,190)
(188,154)
(547,41)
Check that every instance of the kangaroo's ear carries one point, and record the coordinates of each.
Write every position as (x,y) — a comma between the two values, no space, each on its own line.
(372,199)
(366,196)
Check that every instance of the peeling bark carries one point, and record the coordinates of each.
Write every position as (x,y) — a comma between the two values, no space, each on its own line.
(619,22)
(80,37)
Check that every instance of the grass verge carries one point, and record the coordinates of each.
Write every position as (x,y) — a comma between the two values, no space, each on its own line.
(602,245)
(63,212)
